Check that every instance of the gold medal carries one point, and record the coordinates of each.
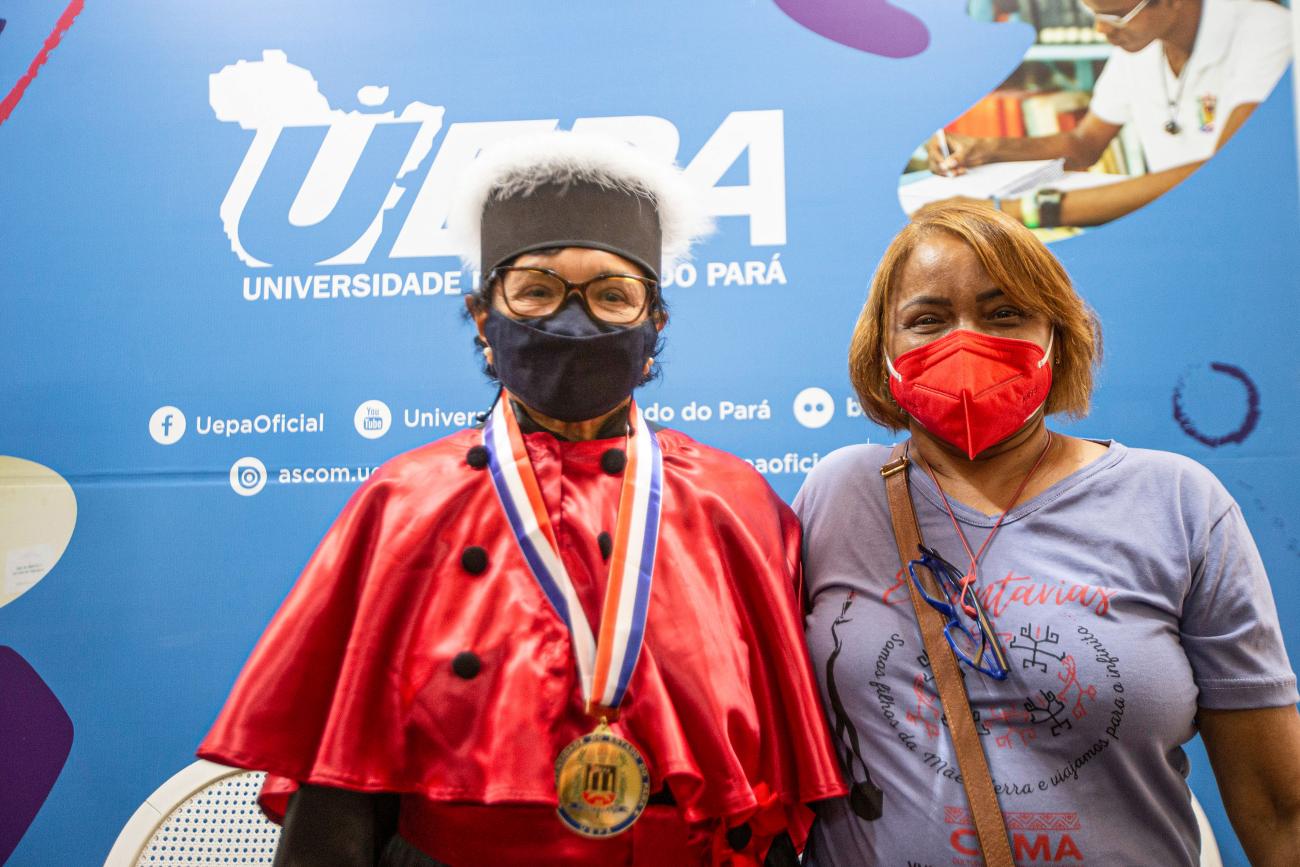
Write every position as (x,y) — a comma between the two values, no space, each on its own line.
(601,783)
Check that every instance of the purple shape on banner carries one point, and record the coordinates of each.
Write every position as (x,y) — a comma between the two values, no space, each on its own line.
(875,26)
(1248,422)
(35,738)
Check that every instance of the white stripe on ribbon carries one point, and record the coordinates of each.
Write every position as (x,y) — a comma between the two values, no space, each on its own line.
(647,489)
(584,643)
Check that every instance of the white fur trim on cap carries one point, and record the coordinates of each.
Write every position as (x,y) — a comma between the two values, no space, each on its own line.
(518,166)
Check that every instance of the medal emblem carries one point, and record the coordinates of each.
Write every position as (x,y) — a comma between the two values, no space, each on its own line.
(602,784)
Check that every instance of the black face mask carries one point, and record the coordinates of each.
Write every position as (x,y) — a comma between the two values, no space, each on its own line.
(569,366)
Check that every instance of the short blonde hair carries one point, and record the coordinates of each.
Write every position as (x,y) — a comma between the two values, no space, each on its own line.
(1021,266)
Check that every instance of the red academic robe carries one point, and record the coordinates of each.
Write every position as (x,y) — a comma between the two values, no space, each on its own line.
(418,655)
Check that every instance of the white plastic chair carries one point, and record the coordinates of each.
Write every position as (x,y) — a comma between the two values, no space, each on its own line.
(204,816)
(1210,856)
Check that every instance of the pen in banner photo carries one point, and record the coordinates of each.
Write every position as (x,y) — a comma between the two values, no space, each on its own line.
(942,138)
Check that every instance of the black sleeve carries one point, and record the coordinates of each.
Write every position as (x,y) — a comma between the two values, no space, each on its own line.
(781,853)
(326,827)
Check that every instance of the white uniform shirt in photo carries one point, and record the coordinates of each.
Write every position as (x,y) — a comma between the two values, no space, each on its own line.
(1242,48)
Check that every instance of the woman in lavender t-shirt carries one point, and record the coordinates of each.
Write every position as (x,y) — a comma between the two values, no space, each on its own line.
(1122,584)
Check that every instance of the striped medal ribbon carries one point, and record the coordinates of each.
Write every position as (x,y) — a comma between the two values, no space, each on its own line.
(606,662)
(602,784)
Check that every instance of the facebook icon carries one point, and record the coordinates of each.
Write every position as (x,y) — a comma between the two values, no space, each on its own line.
(167,425)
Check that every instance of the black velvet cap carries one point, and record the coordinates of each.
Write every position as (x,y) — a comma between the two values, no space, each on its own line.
(572,214)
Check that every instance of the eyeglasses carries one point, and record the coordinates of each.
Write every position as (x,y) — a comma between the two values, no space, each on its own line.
(976,644)
(615,299)
(1119,22)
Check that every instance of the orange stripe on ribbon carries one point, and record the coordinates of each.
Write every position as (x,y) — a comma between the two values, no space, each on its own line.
(613,592)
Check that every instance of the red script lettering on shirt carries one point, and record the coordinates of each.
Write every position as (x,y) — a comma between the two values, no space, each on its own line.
(998,596)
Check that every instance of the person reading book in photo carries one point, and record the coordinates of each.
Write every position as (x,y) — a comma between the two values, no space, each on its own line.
(1187,75)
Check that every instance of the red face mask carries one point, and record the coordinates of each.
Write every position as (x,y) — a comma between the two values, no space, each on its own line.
(972,390)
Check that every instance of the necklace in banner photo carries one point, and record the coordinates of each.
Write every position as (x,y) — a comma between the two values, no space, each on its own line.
(1172,104)
(601,779)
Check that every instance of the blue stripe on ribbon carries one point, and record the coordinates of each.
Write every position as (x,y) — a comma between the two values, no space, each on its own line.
(535,563)
(642,605)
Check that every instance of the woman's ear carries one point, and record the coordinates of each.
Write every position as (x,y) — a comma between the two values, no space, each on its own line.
(478,311)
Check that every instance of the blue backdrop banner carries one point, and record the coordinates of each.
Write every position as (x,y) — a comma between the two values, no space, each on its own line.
(230,292)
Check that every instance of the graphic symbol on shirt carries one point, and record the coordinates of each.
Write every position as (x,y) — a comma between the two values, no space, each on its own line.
(1055,704)
(866,799)
(1049,711)
(1010,721)
(600,784)
(1035,646)
(929,711)
(1069,678)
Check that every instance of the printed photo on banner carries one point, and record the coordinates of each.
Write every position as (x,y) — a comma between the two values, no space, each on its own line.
(1116,102)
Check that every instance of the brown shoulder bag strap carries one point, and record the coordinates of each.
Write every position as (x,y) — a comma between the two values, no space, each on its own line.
(974,767)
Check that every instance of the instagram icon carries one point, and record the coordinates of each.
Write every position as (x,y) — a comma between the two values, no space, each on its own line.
(247,476)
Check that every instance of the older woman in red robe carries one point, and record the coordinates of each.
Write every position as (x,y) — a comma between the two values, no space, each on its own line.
(566,636)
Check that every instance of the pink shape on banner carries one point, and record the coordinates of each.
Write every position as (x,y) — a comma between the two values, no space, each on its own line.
(51,41)
(874,26)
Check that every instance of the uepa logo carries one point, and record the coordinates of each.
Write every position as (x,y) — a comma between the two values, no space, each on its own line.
(318,182)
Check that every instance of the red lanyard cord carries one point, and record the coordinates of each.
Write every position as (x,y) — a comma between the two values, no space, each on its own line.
(972,575)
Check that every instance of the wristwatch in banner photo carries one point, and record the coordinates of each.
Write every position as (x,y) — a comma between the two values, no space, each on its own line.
(1041,209)
(1049,207)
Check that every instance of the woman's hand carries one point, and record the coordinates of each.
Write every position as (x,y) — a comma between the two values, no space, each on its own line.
(1256,759)
(964,151)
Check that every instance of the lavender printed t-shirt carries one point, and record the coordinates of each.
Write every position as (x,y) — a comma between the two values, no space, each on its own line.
(1126,595)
